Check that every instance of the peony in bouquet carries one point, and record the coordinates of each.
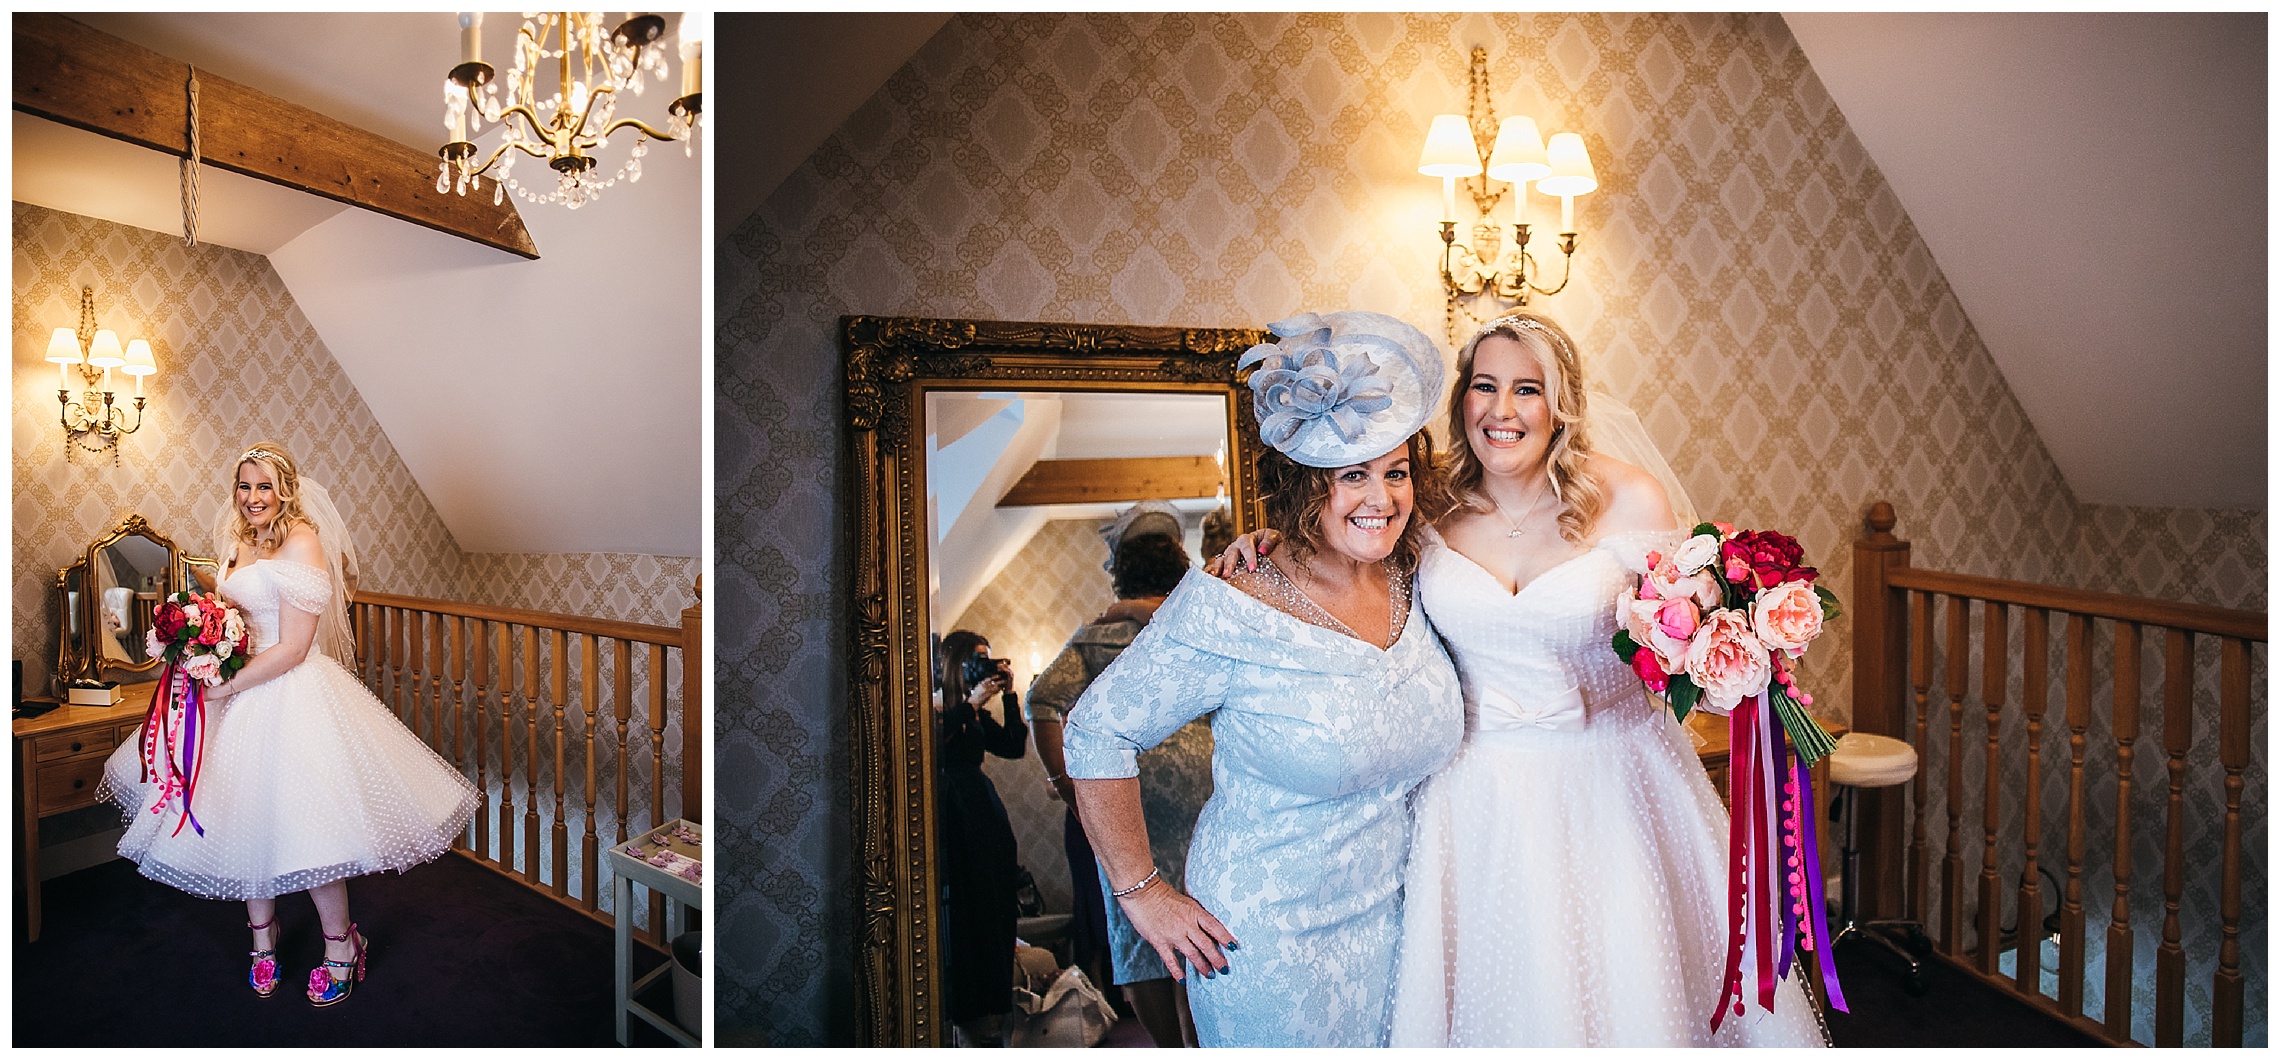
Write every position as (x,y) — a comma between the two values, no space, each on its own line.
(1718,624)
(199,633)
(1720,619)
(202,641)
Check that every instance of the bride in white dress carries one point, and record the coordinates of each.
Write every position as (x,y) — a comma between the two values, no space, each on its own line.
(306,779)
(1566,877)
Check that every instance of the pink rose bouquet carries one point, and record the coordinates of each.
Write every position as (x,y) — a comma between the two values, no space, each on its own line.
(1721,618)
(202,641)
(1718,624)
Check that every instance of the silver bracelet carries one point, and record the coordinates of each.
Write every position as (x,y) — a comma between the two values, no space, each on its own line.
(1055,778)
(1135,888)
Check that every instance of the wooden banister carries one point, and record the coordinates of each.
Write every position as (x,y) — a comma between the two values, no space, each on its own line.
(1898,651)
(432,661)
(2192,618)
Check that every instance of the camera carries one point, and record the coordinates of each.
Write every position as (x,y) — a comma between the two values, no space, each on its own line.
(981,668)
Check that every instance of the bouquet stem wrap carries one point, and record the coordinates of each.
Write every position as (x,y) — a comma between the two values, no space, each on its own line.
(173,744)
(1773,862)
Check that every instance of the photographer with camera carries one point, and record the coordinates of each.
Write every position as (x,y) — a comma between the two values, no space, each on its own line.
(976,714)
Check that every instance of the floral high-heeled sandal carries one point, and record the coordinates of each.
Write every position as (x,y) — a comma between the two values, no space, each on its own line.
(326,990)
(264,973)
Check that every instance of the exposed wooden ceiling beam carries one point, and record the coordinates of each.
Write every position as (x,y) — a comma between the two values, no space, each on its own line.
(1120,479)
(68,72)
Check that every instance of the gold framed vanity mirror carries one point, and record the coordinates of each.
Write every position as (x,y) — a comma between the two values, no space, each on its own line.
(106,598)
(916,388)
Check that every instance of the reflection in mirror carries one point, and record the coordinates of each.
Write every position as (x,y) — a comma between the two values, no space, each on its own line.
(71,649)
(1020,486)
(130,577)
(200,574)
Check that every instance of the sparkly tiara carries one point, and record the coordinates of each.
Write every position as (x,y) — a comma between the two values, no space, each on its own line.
(264,454)
(1516,322)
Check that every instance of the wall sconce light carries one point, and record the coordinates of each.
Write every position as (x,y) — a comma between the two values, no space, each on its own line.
(1561,167)
(94,420)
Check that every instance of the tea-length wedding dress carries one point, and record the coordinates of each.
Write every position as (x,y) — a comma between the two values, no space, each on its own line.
(1566,881)
(306,777)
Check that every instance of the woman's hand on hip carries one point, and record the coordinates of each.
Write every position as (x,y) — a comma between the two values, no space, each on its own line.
(1180,928)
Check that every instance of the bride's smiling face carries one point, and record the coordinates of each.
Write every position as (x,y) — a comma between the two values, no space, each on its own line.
(1508,413)
(1368,507)
(256,495)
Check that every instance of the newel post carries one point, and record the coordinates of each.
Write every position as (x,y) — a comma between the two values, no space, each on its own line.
(1880,680)
(693,707)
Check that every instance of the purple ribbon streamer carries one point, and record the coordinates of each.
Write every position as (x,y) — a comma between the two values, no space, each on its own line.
(1785,828)
(1823,944)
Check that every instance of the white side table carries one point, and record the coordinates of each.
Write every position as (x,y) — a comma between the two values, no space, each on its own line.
(681,892)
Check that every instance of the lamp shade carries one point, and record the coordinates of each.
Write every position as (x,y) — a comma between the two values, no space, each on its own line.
(1519,153)
(63,347)
(1571,167)
(1449,149)
(106,352)
(139,360)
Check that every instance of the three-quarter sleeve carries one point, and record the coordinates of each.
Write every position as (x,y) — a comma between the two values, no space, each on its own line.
(1054,691)
(1156,686)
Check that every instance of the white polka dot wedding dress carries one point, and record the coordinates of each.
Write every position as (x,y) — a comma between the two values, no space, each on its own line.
(307,778)
(1566,883)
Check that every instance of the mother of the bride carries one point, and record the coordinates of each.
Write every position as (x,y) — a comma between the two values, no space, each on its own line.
(1330,699)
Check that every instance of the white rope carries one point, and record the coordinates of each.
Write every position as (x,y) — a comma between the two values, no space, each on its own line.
(190,171)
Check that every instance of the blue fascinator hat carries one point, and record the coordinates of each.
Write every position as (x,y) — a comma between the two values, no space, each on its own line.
(1343,388)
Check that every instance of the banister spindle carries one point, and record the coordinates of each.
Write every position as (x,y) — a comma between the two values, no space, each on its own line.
(2232,753)
(622,708)
(2035,644)
(1994,674)
(479,682)
(560,834)
(2120,937)
(1920,671)
(2176,739)
(1958,683)
(2071,944)
(590,679)
(533,666)
(506,654)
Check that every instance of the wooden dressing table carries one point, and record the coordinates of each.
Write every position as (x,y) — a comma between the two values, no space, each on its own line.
(59,762)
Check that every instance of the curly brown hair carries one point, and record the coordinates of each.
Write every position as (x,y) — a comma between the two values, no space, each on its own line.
(1582,498)
(1295,495)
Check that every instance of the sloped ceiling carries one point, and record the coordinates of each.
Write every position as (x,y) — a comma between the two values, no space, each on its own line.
(543,406)
(795,77)
(2094,188)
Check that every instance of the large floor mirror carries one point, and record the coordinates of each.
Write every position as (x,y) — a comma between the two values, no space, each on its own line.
(986,457)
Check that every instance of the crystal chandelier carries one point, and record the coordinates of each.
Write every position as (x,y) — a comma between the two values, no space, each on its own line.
(568,128)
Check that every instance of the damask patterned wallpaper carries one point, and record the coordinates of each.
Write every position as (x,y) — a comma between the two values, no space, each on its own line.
(238,363)
(627,586)
(1747,282)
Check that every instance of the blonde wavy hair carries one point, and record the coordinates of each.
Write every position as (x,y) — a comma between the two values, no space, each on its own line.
(232,530)
(1582,498)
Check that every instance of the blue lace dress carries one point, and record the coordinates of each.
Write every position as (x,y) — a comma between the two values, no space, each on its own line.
(1318,739)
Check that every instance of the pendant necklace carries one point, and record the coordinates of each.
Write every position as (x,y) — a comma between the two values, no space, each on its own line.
(1515,523)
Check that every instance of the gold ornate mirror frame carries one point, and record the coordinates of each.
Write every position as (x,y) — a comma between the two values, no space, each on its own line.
(892,362)
(82,660)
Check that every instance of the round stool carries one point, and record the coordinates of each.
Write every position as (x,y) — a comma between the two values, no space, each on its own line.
(1866,760)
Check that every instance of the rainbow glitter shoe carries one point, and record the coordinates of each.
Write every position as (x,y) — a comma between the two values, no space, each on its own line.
(263,977)
(326,990)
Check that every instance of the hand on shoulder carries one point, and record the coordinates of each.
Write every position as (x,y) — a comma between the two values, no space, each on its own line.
(1635,500)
